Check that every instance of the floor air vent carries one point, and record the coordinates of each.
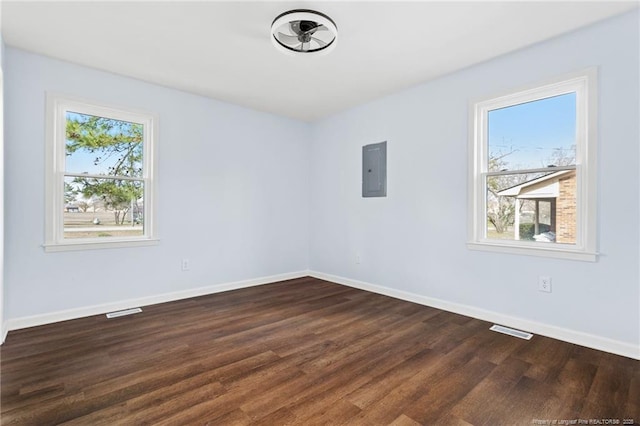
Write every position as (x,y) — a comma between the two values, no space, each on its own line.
(123,313)
(512,332)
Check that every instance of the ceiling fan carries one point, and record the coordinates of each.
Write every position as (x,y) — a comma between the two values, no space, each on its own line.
(303,31)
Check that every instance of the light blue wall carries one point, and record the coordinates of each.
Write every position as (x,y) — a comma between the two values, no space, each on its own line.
(232,194)
(414,239)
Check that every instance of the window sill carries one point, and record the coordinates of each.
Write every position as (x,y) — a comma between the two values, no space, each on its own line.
(547,251)
(95,245)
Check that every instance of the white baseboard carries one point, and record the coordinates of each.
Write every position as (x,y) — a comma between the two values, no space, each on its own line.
(35,320)
(3,332)
(579,338)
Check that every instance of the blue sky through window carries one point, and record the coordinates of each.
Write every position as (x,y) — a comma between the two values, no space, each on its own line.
(535,131)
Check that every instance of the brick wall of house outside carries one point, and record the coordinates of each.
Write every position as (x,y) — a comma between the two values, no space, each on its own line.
(566,210)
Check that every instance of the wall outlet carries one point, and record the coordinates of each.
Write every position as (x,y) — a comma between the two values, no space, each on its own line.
(185,265)
(544,284)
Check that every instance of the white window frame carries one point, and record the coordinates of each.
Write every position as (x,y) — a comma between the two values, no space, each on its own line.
(57,107)
(584,85)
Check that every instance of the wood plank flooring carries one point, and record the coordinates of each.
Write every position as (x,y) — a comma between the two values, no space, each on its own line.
(305,352)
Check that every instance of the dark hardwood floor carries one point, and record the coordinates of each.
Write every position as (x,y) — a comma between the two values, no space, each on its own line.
(305,352)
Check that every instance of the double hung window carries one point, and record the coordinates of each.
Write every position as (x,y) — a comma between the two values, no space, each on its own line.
(99,176)
(532,170)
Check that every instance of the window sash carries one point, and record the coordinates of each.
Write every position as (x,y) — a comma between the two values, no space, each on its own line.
(525,171)
(93,176)
(557,219)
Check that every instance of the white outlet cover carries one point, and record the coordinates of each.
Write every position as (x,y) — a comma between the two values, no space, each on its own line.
(544,284)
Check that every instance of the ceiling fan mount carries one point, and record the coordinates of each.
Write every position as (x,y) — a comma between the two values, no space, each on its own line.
(303,31)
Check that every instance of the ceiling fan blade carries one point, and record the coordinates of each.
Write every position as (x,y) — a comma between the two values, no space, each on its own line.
(287,39)
(294,27)
(321,27)
(320,42)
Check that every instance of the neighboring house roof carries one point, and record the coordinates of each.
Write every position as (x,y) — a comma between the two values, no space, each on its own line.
(542,187)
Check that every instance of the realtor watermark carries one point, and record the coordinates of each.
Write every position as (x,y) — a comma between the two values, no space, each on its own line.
(623,421)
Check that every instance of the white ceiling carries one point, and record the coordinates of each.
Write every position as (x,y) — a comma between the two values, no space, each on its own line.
(223,49)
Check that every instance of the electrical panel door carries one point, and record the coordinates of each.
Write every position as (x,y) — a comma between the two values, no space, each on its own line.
(374,170)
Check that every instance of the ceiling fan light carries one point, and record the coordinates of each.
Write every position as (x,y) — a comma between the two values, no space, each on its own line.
(303,32)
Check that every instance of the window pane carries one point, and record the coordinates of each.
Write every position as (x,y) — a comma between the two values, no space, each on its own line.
(103,146)
(534,134)
(102,208)
(536,207)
